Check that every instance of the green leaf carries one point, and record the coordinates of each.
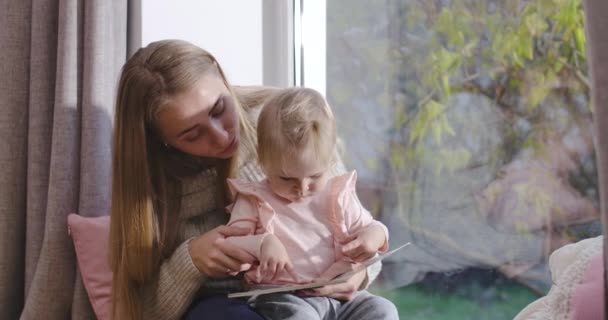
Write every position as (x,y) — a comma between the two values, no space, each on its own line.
(467,50)
(579,37)
(447,128)
(436,128)
(422,122)
(536,24)
(537,94)
(445,83)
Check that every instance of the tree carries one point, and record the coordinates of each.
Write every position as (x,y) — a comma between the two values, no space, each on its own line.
(527,58)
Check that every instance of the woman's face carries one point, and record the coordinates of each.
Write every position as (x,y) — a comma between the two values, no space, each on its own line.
(201,121)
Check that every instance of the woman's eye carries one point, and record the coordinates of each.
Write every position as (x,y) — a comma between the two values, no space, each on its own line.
(285,178)
(191,139)
(219,110)
(192,136)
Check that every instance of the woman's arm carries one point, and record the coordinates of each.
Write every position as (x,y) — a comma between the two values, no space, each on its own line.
(342,291)
(169,294)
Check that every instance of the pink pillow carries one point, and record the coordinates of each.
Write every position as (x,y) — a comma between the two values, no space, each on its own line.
(91,236)
(587,299)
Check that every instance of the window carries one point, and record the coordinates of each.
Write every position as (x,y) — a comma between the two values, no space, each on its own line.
(469,124)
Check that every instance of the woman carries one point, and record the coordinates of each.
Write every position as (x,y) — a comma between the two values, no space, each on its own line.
(180,131)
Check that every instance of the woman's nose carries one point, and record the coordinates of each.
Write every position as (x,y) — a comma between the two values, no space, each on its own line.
(219,135)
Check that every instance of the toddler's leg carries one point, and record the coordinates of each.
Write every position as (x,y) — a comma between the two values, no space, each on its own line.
(221,308)
(287,306)
(366,306)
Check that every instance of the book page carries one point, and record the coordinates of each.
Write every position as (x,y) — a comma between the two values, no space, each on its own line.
(267,289)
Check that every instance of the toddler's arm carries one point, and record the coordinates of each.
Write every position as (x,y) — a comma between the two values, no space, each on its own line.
(366,235)
(244,214)
(265,246)
(274,258)
(364,244)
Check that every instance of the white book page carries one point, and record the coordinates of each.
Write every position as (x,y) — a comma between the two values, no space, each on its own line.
(267,289)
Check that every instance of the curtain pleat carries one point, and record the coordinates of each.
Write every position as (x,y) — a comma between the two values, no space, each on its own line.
(15,31)
(596,25)
(59,73)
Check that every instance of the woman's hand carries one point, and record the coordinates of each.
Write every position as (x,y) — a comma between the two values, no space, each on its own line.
(365,244)
(342,291)
(217,258)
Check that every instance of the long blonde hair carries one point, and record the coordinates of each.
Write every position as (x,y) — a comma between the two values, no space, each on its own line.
(145,174)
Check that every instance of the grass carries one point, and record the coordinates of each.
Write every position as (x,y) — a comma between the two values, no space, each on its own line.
(473,295)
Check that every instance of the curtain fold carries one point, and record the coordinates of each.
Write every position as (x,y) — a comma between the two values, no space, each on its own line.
(596,12)
(14,68)
(60,68)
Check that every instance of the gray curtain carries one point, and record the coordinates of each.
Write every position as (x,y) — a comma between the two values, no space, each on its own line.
(596,12)
(58,73)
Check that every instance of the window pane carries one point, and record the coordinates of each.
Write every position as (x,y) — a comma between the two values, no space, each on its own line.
(469,124)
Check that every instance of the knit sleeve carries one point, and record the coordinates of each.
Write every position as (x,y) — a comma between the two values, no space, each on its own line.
(170,293)
(177,280)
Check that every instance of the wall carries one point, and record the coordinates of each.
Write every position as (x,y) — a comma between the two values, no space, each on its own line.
(230,29)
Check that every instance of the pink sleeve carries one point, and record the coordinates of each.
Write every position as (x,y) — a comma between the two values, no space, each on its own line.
(356,217)
(251,212)
(244,215)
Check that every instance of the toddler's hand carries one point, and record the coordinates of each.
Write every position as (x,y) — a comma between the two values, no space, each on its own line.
(365,244)
(274,259)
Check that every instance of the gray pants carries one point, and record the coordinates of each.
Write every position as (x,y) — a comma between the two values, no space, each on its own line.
(363,306)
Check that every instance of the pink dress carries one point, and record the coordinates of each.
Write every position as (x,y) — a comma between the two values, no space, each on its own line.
(311,229)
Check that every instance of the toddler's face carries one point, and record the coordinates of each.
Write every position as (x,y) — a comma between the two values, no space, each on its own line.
(302,176)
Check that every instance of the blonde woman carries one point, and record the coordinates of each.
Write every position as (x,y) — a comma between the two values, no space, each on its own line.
(180,131)
(304,224)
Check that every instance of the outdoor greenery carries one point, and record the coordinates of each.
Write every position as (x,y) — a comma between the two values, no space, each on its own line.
(442,103)
(502,302)
(517,53)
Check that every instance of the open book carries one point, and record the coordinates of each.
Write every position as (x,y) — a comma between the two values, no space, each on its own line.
(267,289)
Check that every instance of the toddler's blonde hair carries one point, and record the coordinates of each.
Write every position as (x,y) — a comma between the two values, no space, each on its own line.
(291,120)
